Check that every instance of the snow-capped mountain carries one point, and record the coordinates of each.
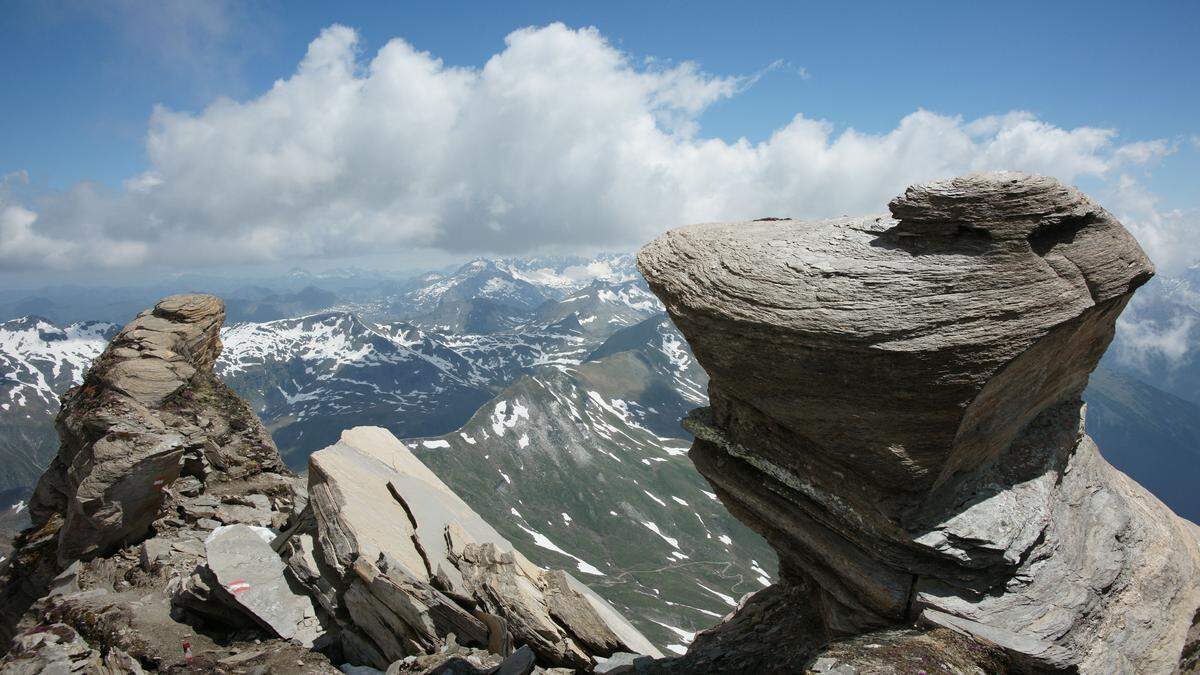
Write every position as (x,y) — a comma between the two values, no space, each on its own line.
(570,460)
(310,378)
(38,362)
(675,382)
(601,307)
(477,280)
(564,274)
(486,296)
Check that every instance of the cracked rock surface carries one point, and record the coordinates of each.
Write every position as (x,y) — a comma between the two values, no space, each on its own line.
(403,562)
(895,407)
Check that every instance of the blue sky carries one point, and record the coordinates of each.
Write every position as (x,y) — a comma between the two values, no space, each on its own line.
(83,82)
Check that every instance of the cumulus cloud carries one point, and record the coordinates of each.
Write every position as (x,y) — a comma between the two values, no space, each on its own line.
(1142,341)
(560,140)
(1169,236)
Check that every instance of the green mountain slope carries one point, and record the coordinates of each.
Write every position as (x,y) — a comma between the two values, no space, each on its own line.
(572,465)
(1151,435)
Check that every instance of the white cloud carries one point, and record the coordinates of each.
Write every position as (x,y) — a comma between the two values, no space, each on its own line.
(559,140)
(1170,237)
(1143,342)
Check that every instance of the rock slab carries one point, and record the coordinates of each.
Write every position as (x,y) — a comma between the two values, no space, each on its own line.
(409,563)
(251,576)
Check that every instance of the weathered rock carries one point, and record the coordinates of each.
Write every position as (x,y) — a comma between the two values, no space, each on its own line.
(58,648)
(152,551)
(895,407)
(251,577)
(126,430)
(404,615)
(150,410)
(409,563)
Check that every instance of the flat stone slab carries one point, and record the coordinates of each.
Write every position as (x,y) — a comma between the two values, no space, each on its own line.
(251,574)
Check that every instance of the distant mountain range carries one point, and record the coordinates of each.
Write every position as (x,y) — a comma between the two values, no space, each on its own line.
(38,362)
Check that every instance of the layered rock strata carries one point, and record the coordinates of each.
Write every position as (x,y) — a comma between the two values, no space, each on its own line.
(403,562)
(138,422)
(895,407)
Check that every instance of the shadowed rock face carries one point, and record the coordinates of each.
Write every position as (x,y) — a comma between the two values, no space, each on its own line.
(895,406)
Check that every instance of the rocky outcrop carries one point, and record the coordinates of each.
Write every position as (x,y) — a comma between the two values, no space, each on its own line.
(155,454)
(169,536)
(146,413)
(58,648)
(895,407)
(404,563)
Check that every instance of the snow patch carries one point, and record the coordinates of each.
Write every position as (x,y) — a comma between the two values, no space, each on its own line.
(654,528)
(543,541)
(724,598)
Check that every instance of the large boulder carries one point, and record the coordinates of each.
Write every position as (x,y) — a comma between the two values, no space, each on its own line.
(895,406)
(406,563)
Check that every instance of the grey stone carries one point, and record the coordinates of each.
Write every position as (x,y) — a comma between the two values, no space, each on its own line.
(193,547)
(246,515)
(895,405)
(66,583)
(406,559)
(251,576)
(619,660)
(520,662)
(823,665)
(188,486)
(152,551)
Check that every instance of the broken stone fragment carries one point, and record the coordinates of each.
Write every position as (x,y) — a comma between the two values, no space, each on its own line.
(404,615)
(152,551)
